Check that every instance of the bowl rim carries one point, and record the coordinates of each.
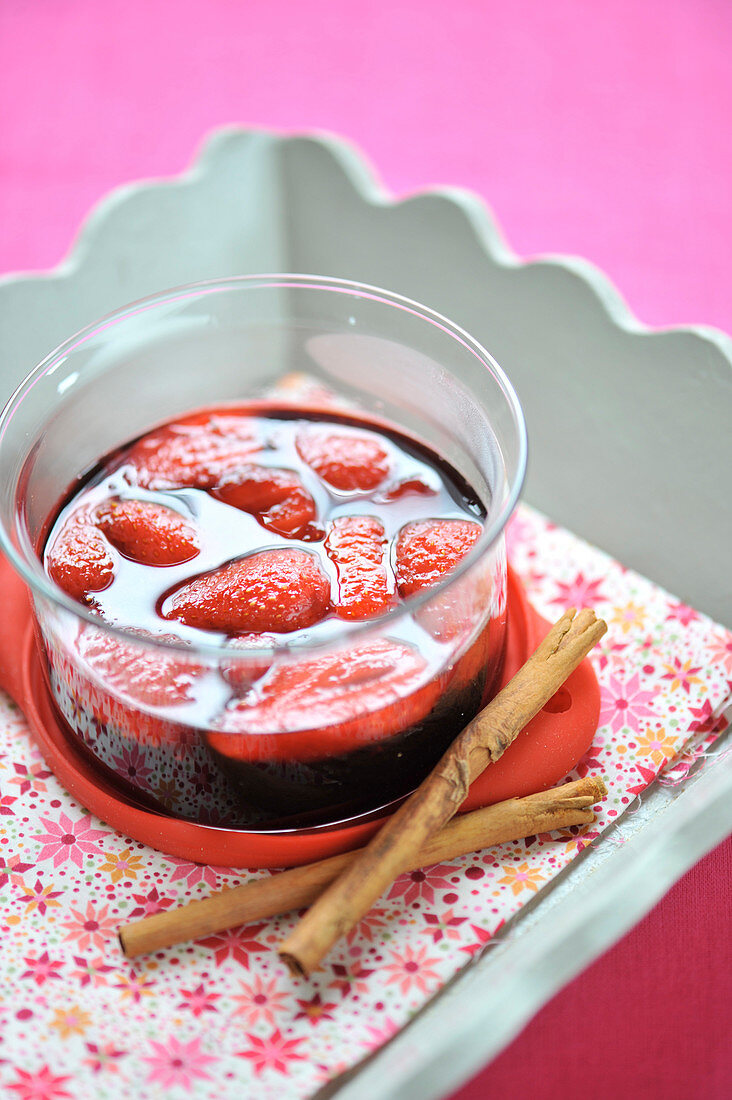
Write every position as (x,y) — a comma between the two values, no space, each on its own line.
(41,584)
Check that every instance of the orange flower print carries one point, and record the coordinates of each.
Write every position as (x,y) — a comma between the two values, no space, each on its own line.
(521,878)
(134,987)
(682,676)
(655,745)
(630,617)
(124,865)
(70,1021)
(38,897)
(575,842)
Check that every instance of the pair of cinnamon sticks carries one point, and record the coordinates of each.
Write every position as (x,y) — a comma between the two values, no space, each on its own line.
(342,889)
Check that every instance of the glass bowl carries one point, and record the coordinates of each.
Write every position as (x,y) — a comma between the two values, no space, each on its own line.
(149,708)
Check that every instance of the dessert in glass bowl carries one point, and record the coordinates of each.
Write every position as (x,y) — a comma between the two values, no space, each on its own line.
(275,607)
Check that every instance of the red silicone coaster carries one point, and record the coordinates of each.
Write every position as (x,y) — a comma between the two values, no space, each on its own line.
(543,754)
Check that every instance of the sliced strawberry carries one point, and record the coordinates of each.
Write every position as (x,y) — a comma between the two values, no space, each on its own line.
(407,487)
(273,590)
(347,461)
(142,674)
(277,498)
(357,547)
(194,454)
(80,561)
(242,673)
(332,703)
(427,550)
(301,389)
(147,532)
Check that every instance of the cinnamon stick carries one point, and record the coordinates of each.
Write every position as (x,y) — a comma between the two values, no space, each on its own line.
(485,739)
(558,808)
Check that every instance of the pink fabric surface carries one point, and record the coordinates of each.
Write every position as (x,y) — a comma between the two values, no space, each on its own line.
(600,130)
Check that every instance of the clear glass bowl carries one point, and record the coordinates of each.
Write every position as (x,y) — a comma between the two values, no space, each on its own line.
(308,341)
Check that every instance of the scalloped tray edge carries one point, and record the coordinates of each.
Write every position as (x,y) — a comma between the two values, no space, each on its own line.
(366,183)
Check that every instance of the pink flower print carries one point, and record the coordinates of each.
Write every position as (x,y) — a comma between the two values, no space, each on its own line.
(42,968)
(236,942)
(647,777)
(379,1035)
(422,883)
(682,613)
(327,1073)
(198,1000)
(624,704)
(147,904)
(30,779)
(177,1063)
(194,873)
(482,937)
(40,897)
(42,1085)
(91,928)
(133,987)
(315,1009)
(682,676)
(609,653)
(204,779)
(720,652)
(66,839)
(274,1052)
(260,1000)
(350,979)
(591,763)
(443,925)
(706,721)
(6,801)
(105,1057)
(411,969)
(13,869)
(580,592)
(370,928)
(132,765)
(90,971)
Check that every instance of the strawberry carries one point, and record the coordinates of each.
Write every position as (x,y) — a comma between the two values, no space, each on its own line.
(331,703)
(277,498)
(192,453)
(147,532)
(242,673)
(357,547)
(80,561)
(427,550)
(146,675)
(407,487)
(273,590)
(346,461)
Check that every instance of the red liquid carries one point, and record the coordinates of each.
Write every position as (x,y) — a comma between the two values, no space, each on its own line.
(280,527)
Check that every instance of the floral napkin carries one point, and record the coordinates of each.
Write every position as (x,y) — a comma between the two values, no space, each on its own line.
(222,1018)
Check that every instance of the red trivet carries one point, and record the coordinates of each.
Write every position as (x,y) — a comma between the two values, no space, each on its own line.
(542,755)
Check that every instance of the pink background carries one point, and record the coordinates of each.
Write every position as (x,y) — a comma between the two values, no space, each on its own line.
(595,129)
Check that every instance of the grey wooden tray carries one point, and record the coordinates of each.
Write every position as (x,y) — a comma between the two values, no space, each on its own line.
(629,447)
